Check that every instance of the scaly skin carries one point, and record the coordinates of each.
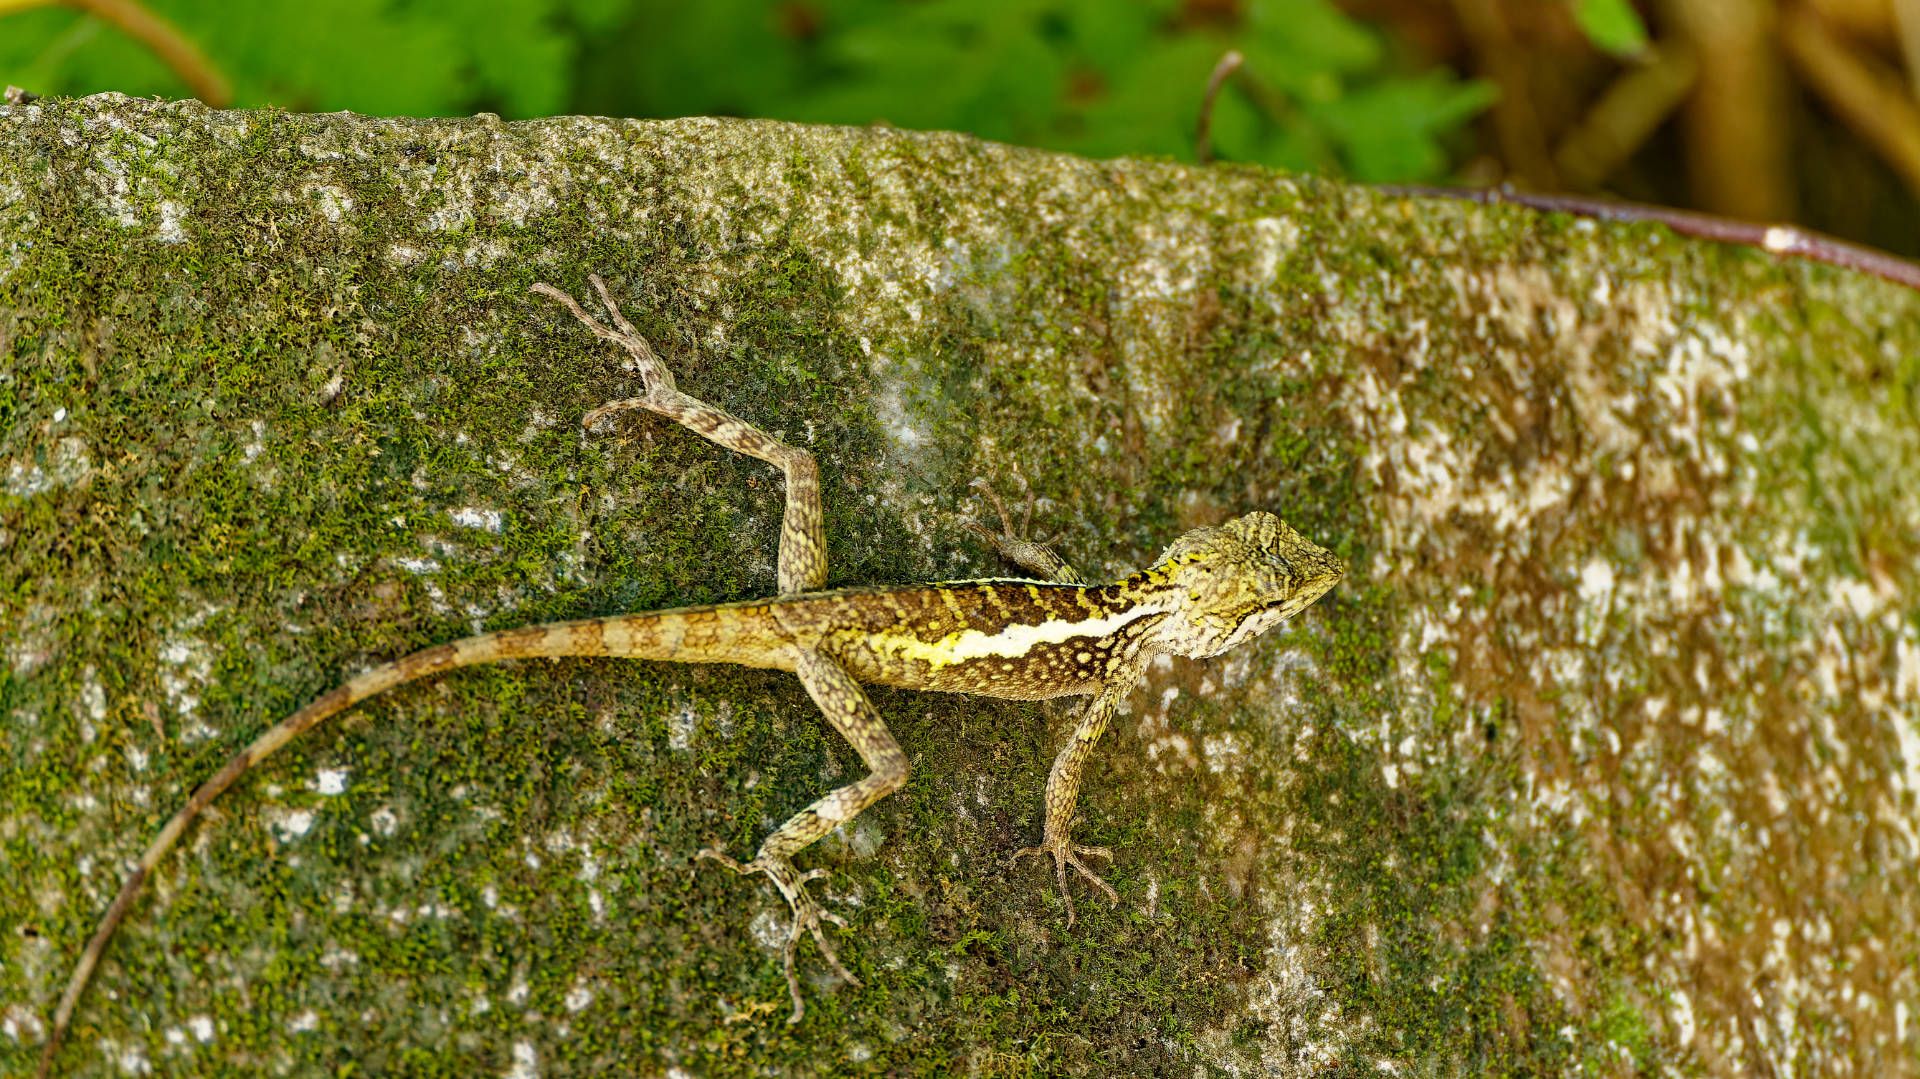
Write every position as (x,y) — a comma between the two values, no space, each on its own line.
(1019,639)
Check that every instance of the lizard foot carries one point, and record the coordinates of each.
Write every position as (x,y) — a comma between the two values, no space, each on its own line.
(1014,543)
(655,378)
(1066,853)
(807,916)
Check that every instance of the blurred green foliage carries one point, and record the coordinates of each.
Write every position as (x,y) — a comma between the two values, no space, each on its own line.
(1613,26)
(1102,77)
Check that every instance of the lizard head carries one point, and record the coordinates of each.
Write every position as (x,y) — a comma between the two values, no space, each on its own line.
(1235,581)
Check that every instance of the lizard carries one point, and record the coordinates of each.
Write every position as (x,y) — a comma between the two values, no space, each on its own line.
(1035,638)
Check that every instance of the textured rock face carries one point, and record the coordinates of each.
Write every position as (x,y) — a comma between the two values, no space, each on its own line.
(1603,759)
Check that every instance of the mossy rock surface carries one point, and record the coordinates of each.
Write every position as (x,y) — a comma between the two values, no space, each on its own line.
(1603,760)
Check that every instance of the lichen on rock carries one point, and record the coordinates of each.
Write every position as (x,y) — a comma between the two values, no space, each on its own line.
(1605,758)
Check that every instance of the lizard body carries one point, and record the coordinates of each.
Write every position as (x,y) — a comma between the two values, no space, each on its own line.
(1024,639)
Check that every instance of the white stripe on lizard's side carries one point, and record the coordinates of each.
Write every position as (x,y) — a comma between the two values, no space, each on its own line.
(1016,640)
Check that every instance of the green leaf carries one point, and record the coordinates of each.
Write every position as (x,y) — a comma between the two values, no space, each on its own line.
(597,15)
(1612,25)
(1389,132)
(518,55)
(1153,103)
(1290,42)
(1101,77)
(1108,35)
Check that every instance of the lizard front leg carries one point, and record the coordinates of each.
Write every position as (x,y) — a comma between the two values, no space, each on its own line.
(846,706)
(1063,790)
(1063,782)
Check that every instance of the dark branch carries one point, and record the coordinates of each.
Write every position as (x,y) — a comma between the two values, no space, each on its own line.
(1779,239)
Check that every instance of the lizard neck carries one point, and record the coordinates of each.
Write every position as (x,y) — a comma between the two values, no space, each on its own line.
(1180,623)
(1152,589)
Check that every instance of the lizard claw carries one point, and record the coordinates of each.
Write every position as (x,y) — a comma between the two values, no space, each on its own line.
(654,375)
(1006,520)
(807,916)
(1009,533)
(1013,542)
(1066,853)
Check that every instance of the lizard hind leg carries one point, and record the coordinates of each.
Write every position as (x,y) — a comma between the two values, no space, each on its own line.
(846,706)
(803,542)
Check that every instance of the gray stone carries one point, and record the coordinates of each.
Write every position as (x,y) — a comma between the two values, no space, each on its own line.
(1604,759)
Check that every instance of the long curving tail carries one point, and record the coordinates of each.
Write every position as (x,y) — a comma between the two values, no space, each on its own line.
(655,635)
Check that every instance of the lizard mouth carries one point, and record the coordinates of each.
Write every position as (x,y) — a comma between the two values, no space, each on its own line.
(1284,608)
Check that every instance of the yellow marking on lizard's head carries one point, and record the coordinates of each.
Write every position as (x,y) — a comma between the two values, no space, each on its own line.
(1237,580)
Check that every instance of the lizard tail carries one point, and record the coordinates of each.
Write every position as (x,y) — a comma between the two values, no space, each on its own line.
(636,636)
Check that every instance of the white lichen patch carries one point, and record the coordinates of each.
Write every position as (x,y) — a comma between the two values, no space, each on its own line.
(20,1023)
(290,824)
(338,958)
(526,1062)
(474,517)
(132,1060)
(769,930)
(132,178)
(1268,243)
(682,722)
(185,665)
(894,382)
(92,703)
(1223,752)
(30,642)
(170,230)
(258,430)
(862,836)
(577,998)
(330,201)
(384,821)
(65,465)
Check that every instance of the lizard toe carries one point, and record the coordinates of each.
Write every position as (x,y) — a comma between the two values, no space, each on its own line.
(806,920)
(1066,853)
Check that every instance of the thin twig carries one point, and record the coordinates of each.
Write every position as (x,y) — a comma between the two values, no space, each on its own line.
(1203,132)
(160,37)
(1788,240)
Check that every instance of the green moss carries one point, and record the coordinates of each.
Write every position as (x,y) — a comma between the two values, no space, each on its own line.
(1333,846)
